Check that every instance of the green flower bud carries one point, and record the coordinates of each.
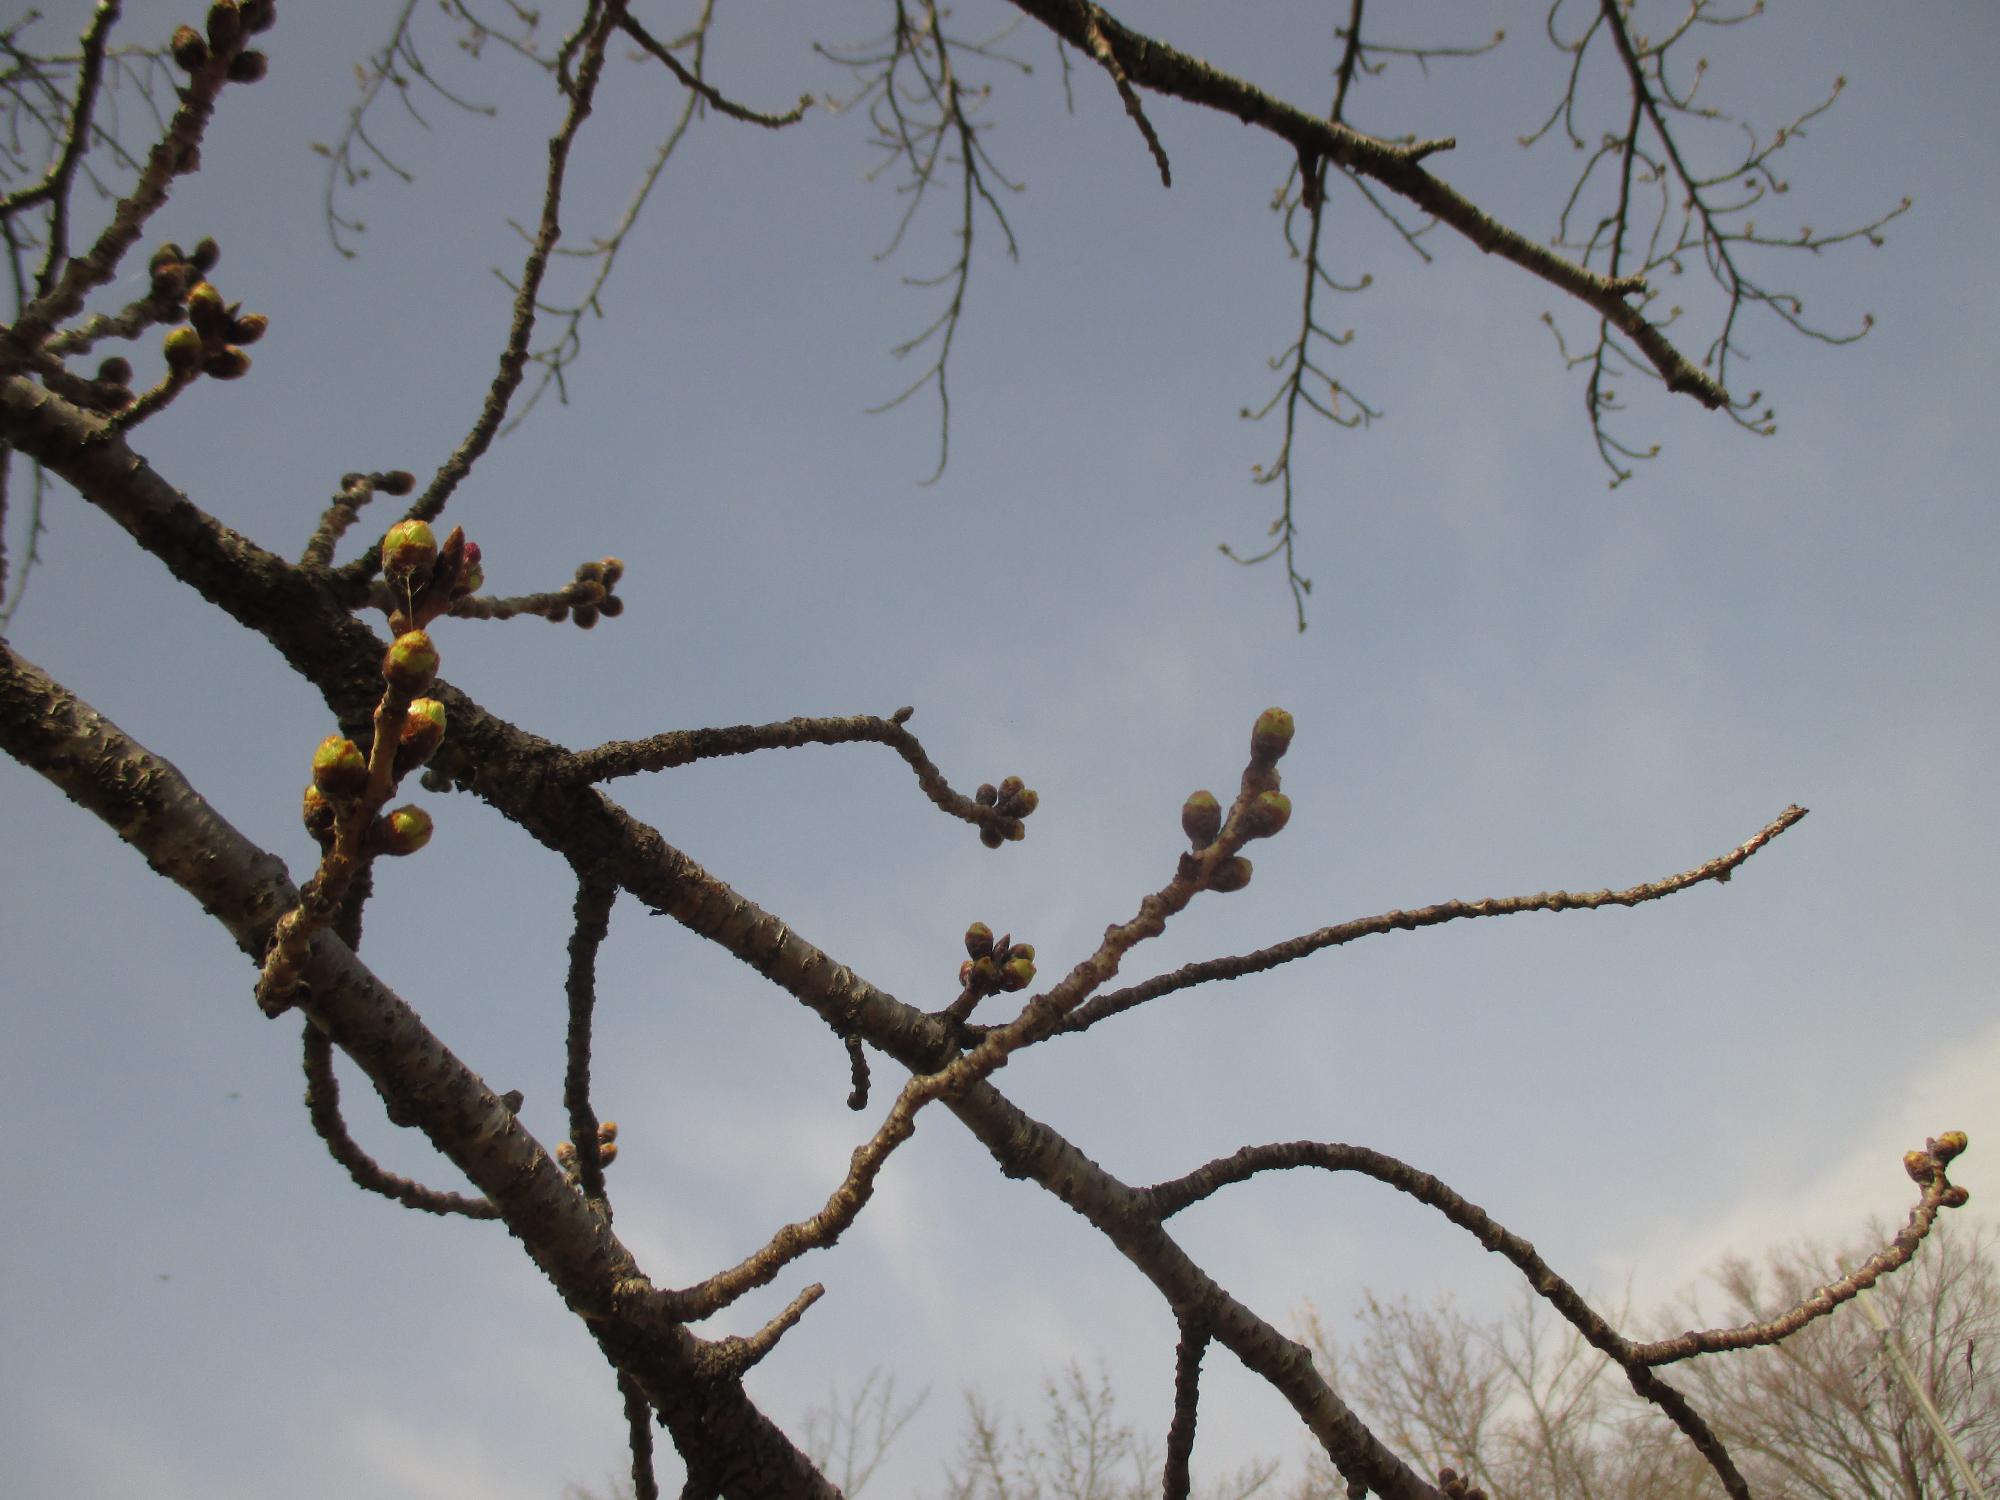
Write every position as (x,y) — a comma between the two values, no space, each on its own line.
(1201,819)
(1950,1145)
(404,831)
(339,768)
(1271,737)
(979,940)
(409,551)
(207,311)
(411,663)
(985,973)
(227,363)
(1018,974)
(1025,950)
(423,732)
(1267,813)
(1231,875)
(182,347)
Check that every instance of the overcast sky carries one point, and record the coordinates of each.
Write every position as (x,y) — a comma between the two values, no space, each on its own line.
(1514,680)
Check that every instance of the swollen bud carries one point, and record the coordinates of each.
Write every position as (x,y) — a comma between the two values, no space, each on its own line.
(992,838)
(248,67)
(396,482)
(182,347)
(408,552)
(1020,804)
(1955,1197)
(1949,1146)
(1920,1167)
(1201,819)
(423,732)
(979,940)
(318,815)
(1018,974)
(1231,875)
(248,328)
(340,770)
(411,663)
(404,831)
(227,363)
(207,311)
(987,795)
(225,24)
(1271,736)
(1267,813)
(189,50)
(607,1153)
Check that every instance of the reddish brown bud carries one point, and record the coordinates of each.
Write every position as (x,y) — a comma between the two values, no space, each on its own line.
(987,795)
(182,347)
(257,15)
(586,616)
(1950,1145)
(339,768)
(612,569)
(607,1153)
(205,254)
(115,371)
(248,67)
(1012,786)
(1955,1197)
(608,1132)
(1201,819)
(965,974)
(207,311)
(404,831)
(225,24)
(397,482)
(611,608)
(248,328)
(409,551)
(411,663)
(169,254)
(189,50)
(992,838)
(979,940)
(1271,736)
(318,815)
(1920,1167)
(1021,803)
(1230,875)
(423,732)
(227,363)
(1267,813)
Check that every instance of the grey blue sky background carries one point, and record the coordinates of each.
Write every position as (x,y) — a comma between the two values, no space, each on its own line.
(1514,680)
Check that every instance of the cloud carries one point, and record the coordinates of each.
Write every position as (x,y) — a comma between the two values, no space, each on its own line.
(1953,1091)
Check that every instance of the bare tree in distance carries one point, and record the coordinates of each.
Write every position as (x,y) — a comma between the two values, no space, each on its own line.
(71,411)
(1523,1406)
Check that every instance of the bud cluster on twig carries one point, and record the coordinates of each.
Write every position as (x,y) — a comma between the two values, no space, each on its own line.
(1259,812)
(607,1151)
(1010,802)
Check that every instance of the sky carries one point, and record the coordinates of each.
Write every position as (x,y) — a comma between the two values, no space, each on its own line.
(1515,679)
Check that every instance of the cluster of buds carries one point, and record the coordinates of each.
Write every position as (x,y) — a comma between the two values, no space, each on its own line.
(1012,800)
(607,1150)
(994,965)
(1458,1487)
(1261,810)
(229,22)
(212,340)
(425,578)
(339,796)
(589,596)
(1928,1165)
